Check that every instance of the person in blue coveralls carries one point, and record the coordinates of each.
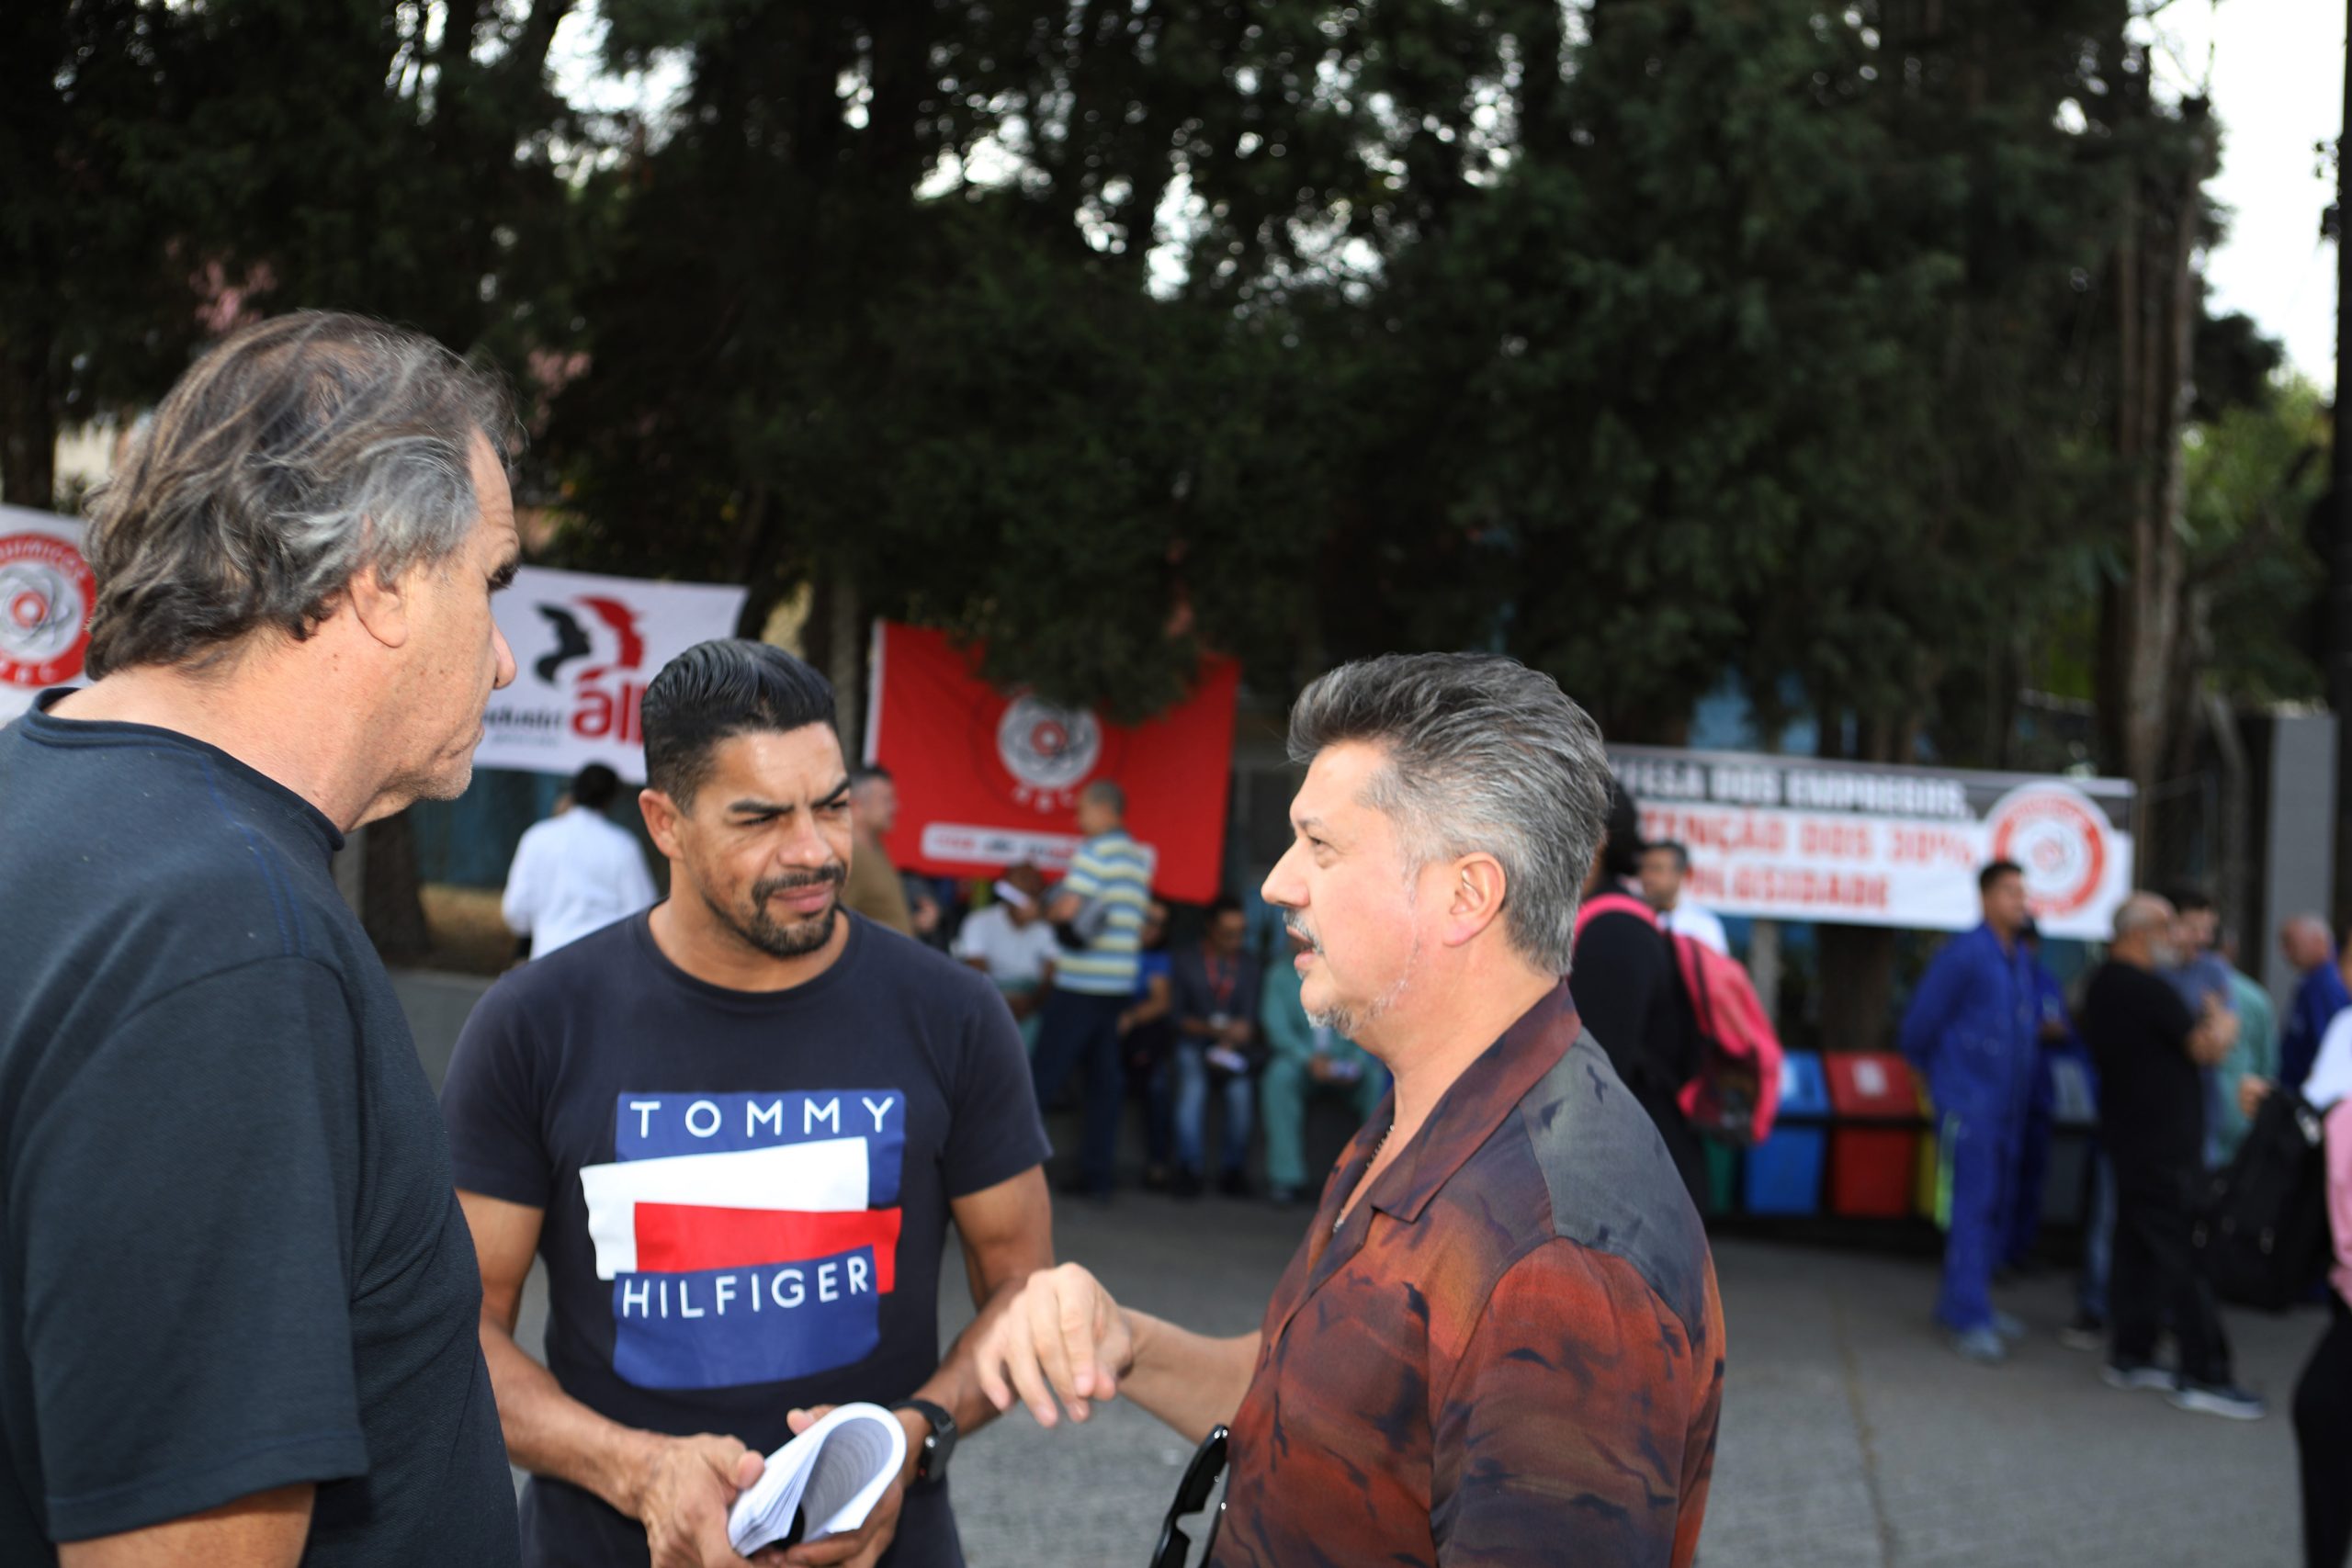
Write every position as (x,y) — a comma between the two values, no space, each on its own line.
(1971,1030)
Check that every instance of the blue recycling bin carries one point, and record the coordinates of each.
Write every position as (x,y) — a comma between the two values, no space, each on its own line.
(1784,1170)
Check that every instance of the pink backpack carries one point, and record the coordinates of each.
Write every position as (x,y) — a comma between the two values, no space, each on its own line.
(1735,1092)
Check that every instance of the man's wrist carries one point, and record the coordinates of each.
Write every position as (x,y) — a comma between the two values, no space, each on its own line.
(631,1462)
(918,1427)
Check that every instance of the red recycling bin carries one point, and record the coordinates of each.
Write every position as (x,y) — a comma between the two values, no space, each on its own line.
(1874,1137)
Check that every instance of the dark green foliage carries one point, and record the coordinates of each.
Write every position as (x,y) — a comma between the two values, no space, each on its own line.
(1649,340)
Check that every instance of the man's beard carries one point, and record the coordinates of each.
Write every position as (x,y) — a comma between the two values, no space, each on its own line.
(1349,1024)
(787,938)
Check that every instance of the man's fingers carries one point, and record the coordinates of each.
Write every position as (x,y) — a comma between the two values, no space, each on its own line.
(1028,1378)
(989,1360)
(1046,1312)
(1076,1316)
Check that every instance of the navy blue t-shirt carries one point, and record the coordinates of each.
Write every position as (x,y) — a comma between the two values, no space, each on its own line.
(231,1258)
(746,1193)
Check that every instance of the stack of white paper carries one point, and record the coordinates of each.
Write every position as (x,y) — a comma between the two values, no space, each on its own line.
(831,1476)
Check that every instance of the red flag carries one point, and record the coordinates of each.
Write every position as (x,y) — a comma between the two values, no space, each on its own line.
(986,780)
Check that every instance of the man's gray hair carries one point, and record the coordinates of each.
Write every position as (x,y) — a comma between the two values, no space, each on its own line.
(298,453)
(2139,912)
(1482,753)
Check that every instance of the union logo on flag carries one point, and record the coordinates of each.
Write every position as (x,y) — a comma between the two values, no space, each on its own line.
(749,1237)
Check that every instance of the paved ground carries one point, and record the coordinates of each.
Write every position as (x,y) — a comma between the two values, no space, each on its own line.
(1851,1438)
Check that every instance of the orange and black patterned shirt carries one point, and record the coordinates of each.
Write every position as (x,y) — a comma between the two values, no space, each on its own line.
(1513,1351)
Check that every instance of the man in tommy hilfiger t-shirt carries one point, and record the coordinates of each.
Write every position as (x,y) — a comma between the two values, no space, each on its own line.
(736,1128)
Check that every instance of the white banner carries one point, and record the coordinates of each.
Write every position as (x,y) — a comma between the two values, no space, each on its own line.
(584,648)
(1793,839)
(45,599)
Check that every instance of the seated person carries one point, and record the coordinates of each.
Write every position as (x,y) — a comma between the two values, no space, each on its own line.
(1011,942)
(1304,1058)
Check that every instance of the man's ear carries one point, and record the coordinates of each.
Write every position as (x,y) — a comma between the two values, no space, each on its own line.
(1475,897)
(381,605)
(661,821)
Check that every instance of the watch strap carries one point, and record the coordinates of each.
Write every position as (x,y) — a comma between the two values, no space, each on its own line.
(936,1448)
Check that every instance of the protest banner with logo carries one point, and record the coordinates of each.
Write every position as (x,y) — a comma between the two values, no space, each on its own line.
(1786,837)
(46,593)
(986,779)
(585,647)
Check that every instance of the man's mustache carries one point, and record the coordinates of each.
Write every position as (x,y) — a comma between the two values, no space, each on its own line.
(767,887)
(1303,934)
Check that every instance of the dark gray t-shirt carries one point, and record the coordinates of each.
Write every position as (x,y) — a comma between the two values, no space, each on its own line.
(746,1193)
(231,1254)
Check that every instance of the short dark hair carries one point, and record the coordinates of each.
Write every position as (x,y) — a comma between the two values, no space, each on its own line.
(1224,904)
(1108,793)
(1995,872)
(716,689)
(868,773)
(1682,856)
(2190,899)
(596,787)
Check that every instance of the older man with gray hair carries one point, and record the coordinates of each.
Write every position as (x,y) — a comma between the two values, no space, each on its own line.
(1500,1341)
(2150,1050)
(238,1301)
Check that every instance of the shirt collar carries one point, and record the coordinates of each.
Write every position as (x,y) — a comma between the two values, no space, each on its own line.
(1475,1105)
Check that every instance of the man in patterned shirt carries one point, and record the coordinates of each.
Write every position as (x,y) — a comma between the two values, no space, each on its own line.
(1500,1342)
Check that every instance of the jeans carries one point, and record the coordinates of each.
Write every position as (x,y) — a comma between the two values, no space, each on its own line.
(2156,1281)
(1191,1106)
(1078,1031)
(2099,1242)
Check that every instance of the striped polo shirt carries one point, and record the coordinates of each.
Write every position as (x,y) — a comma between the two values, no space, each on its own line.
(1110,868)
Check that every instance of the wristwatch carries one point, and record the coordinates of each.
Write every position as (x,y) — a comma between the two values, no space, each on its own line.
(938,1448)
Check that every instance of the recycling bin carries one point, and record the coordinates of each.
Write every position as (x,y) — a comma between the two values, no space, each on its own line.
(2074,1126)
(1784,1170)
(1875,1138)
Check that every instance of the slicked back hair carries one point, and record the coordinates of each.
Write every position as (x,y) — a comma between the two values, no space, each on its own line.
(1482,754)
(718,690)
(298,453)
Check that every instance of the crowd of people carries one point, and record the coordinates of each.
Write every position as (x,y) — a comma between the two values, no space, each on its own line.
(2183,1049)
(259,1298)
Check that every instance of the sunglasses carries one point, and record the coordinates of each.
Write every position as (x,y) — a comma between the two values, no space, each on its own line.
(1192,1497)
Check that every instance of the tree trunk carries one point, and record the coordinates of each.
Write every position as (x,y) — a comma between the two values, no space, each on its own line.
(28,428)
(845,660)
(2141,612)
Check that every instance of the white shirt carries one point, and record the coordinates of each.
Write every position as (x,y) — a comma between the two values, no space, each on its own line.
(1015,955)
(573,875)
(1698,924)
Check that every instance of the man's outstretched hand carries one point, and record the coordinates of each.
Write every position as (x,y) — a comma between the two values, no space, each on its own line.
(1062,1337)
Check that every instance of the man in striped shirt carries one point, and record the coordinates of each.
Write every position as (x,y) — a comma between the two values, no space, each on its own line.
(1102,898)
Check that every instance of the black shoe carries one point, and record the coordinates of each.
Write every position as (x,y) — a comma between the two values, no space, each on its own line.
(1185,1184)
(1235,1185)
(2225,1400)
(2139,1375)
(2085,1333)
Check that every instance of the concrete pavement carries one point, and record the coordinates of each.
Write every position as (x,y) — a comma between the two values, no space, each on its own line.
(1851,1436)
